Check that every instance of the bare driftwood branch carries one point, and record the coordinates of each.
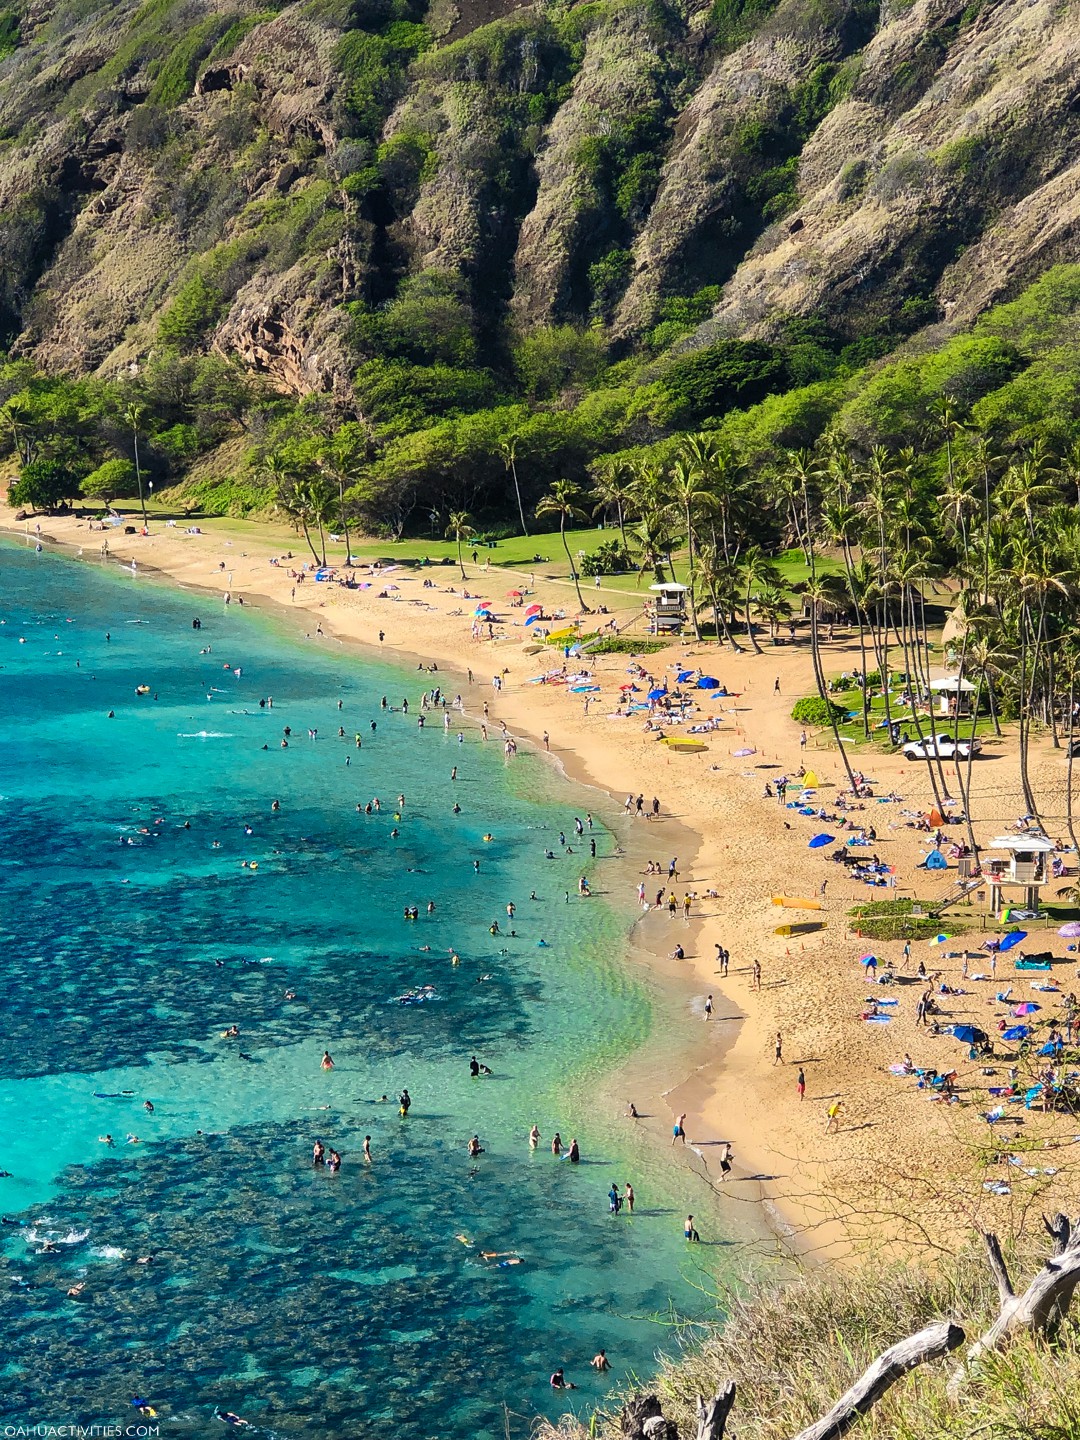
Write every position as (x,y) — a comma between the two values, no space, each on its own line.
(892,1365)
(1042,1305)
(712,1414)
(998,1267)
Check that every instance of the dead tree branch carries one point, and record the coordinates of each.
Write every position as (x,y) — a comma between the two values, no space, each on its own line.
(892,1365)
(712,1414)
(1042,1305)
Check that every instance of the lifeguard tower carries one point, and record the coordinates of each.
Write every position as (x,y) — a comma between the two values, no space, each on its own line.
(669,608)
(1021,861)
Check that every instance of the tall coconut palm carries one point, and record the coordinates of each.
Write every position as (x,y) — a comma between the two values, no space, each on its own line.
(756,569)
(822,591)
(459,528)
(613,486)
(689,499)
(720,578)
(508,451)
(135,415)
(564,499)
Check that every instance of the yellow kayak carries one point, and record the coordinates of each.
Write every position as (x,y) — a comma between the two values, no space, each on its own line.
(688,747)
(797,902)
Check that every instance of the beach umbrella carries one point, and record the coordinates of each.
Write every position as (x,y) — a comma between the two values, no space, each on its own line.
(1027,1008)
(707,682)
(535,606)
(1017,1032)
(1014,937)
(513,594)
(819,840)
(936,861)
(1071,930)
(684,675)
(810,780)
(532,618)
(868,960)
(657,694)
(969,1034)
(939,939)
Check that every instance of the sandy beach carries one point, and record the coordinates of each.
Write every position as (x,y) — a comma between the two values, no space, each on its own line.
(903,1165)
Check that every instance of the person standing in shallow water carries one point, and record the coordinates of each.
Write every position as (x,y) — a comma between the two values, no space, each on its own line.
(326,1062)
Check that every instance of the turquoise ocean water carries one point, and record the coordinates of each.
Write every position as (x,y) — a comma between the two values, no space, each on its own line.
(132,936)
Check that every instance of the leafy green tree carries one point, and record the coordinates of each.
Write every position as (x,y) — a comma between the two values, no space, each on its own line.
(43,484)
(110,479)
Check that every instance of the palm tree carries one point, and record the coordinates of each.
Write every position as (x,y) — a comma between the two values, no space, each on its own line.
(460,528)
(508,451)
(772,603)
(721,579)
(820,591)
(654,540)
(564,499)
(288,481)
(613,486)
(756,569)
(135,415)
(345,465)
(687,495)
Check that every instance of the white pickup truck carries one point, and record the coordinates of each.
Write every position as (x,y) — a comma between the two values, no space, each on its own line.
(942,747)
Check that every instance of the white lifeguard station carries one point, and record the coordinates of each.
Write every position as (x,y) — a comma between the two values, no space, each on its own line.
(669,608)
(953,695)
(1020,861)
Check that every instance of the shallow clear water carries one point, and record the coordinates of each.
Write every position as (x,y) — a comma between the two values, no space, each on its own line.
(302,1300)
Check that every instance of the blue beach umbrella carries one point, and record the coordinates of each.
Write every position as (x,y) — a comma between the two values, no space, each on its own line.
(819,840)
(1013,938)
(532,620)
(657,694)
(684,675)
(969,1034)
(707,682)
(1017,1032)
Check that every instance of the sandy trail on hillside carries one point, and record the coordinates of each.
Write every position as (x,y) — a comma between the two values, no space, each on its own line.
(902,1165)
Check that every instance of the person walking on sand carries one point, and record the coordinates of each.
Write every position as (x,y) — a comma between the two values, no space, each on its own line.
(755,981)
(708,1007)
(800,1084)
(778,1049)
(678,1130)
(776,686)
(833,1116)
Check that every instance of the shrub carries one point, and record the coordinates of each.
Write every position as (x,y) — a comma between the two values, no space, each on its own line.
(611,558)
(812,710)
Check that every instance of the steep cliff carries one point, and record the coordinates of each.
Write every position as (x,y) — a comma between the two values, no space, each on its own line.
(216,174)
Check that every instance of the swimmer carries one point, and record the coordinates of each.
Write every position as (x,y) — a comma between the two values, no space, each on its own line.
(106,1140)
(574,1154)
(475,1148)
(76,1290)
(148,1106)
(367,1149)
(556,1144)
(290,995)
(318,1152)
(534,1138)
(326,1062)
(404,1102)
(600,1361)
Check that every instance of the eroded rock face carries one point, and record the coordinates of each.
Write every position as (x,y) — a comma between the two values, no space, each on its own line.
(947,169)
(622,72)
(969,191)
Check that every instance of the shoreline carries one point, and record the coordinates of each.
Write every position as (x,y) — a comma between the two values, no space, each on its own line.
(881,1177)
(646,962)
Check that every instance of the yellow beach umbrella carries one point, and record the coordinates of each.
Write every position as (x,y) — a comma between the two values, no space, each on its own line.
(809,780)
